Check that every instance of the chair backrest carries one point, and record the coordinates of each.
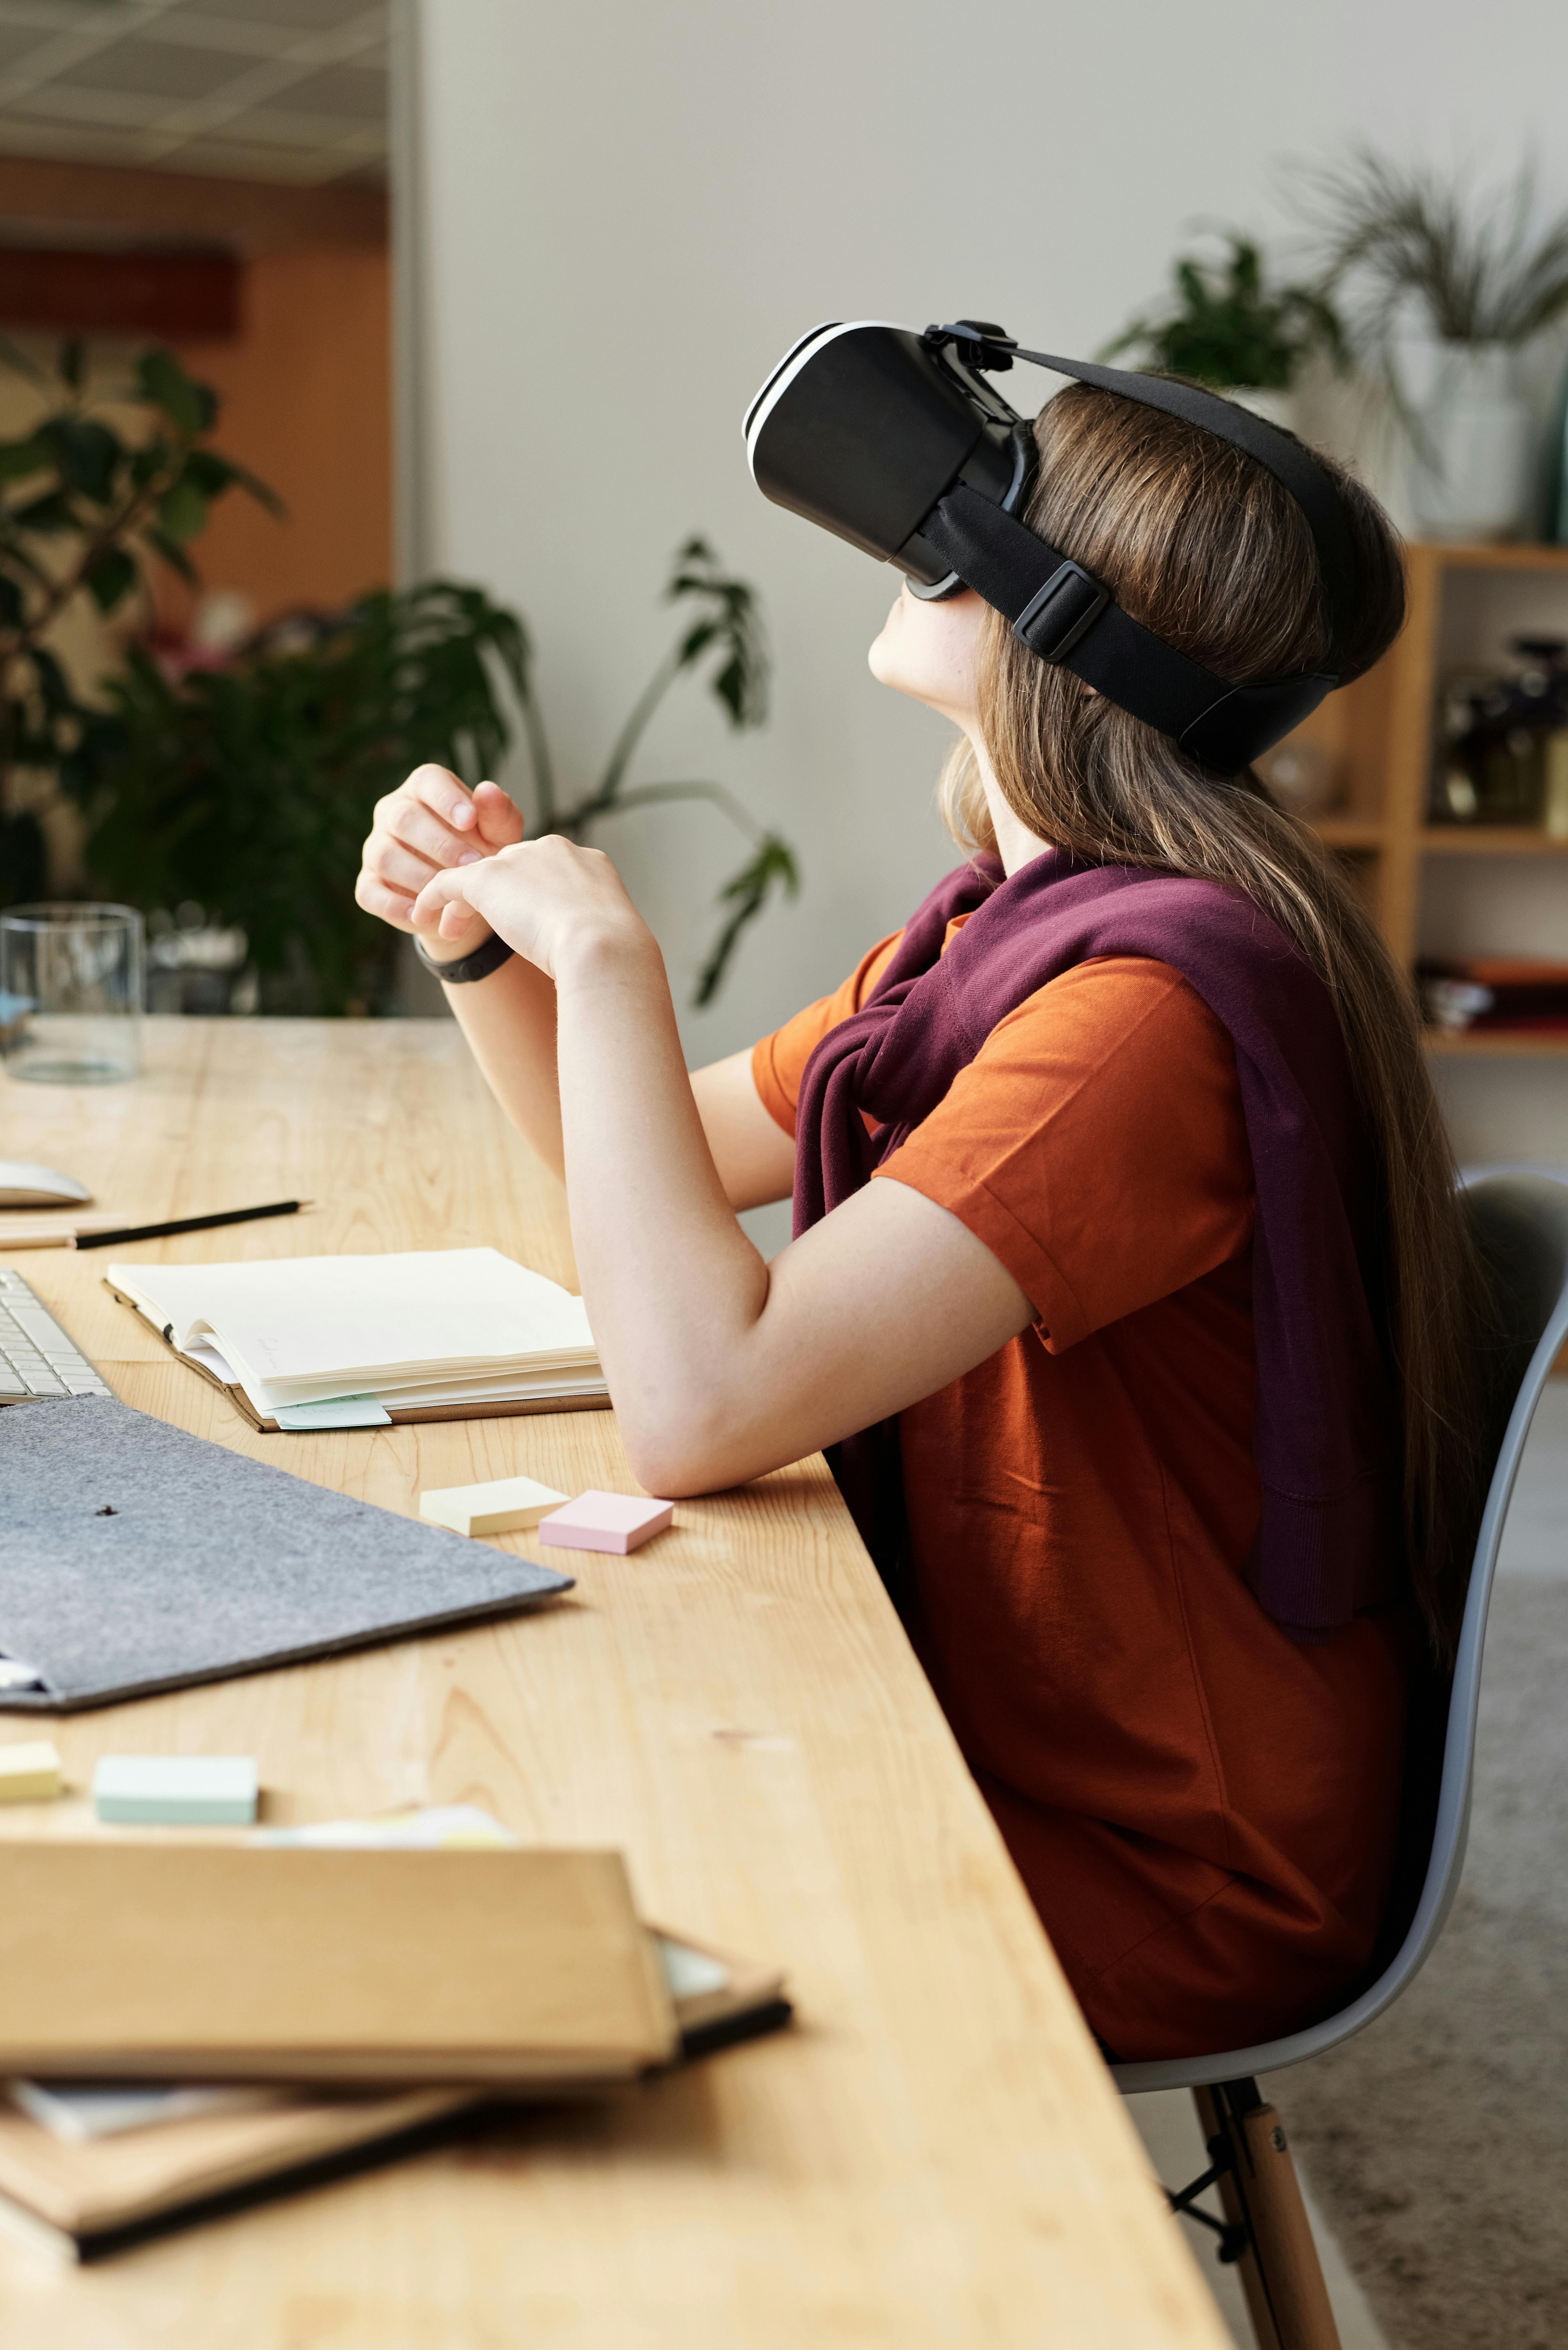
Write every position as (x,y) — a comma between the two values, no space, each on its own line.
(1520,1223)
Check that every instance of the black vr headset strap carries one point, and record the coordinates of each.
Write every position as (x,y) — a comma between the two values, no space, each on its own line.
(1063,614)
(1291,463)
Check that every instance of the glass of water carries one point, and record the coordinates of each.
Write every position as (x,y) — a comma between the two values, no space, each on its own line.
(70,993)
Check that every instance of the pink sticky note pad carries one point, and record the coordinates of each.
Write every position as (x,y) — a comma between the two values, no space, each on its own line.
(620,1522)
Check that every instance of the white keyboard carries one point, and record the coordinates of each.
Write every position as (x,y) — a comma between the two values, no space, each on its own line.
(36,1358)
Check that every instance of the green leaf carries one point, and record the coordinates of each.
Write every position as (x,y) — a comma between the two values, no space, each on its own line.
(191,407)
(88,454)
(729,619)
(154,457)
(111,578)
(72,361)
(747,893)
(18,458)
(182,510)
(53,684)
(173,555)
(13,603)
(24,859)
(213,474)
(47,514)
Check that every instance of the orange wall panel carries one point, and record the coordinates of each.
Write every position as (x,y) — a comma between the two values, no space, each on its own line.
(306,394)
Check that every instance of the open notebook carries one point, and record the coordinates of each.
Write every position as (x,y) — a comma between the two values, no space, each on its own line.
(333,1341)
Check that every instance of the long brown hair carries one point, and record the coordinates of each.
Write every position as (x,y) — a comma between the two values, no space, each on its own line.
(1203,546)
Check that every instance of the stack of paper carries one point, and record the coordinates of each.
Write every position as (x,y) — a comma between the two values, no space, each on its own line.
(401,1333)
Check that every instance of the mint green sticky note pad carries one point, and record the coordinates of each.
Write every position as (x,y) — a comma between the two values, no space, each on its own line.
(333,1411)
(208,1791)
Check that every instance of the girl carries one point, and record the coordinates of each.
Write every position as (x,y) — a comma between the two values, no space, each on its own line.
(1142,1352)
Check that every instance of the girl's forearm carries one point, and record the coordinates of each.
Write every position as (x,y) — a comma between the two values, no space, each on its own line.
(509,1019)
(672,1283)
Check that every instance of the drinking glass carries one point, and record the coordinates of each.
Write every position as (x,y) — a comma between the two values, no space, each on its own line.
(70,993)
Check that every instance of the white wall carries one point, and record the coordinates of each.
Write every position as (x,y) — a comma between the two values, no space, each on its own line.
(629,208)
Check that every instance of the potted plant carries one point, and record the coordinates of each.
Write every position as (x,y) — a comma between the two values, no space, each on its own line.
(83,509)
(1228,327)
(1469,278)
(245,788)
(227,797)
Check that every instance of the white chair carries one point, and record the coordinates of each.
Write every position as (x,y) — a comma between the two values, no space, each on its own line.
(1520,1223)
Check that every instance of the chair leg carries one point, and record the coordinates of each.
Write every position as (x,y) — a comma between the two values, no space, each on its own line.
(1287,2299)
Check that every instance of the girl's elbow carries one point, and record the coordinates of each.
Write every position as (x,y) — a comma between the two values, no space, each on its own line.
(676,1454)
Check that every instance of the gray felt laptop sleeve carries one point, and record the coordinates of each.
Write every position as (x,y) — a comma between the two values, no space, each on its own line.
(135,1558)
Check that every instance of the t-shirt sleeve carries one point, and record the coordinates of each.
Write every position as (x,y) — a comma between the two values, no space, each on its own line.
(778,1062)
(1096,1144)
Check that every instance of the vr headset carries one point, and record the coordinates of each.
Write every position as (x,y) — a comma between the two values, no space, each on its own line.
(896,441)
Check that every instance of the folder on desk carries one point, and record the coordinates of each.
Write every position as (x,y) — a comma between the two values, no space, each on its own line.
(429,1334)
(133,1961)
(141,1558)
(82,2192)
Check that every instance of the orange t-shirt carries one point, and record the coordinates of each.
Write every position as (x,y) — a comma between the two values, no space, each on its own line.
(1202,1808)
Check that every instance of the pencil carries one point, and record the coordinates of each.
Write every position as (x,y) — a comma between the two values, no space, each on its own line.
(185,1224)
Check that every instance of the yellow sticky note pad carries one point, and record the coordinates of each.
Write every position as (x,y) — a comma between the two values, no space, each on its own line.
(30,1773)
(503,1506)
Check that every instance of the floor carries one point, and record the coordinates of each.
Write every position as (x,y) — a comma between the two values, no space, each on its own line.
(1434,2149)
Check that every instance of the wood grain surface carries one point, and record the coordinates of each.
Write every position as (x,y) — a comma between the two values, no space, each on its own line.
(935,2154)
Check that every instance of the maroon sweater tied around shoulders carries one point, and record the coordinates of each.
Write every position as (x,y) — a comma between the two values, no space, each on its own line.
(1324,1430)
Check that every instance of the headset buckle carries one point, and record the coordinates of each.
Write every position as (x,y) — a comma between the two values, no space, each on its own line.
(977,343)
(1065,609)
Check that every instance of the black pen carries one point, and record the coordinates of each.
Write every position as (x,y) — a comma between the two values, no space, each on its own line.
(184,1224)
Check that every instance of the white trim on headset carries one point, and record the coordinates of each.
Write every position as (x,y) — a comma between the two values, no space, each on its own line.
(789,366)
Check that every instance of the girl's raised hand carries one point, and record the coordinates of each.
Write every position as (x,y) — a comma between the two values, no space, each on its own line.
(549,900)
(430,824)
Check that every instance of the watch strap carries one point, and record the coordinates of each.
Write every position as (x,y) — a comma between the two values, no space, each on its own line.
(477,965)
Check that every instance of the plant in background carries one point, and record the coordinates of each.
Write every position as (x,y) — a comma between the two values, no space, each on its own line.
(726,624)
(249,788)
(1397,236)
(82,512)
(1406,249)
(1228,327)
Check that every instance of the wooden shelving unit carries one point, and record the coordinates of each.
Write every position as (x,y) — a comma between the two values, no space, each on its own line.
(1380,731)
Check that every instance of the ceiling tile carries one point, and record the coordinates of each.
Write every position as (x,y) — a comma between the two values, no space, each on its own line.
(351,90)
(153,69)
(125,101)
(17,41)
(300,16)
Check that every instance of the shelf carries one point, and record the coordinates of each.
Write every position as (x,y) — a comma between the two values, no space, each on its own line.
(1489,840)
(1508,555)
(1350,831)
(1519,1044)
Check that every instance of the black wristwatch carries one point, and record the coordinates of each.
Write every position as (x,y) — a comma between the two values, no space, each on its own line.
(477,965)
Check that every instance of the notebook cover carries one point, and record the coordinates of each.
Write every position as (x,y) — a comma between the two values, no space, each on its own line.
(525,1408)
(141,1558)
(137,1961)
(93,2200)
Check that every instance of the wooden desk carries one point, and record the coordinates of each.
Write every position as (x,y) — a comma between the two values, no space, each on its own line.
(934,2157)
